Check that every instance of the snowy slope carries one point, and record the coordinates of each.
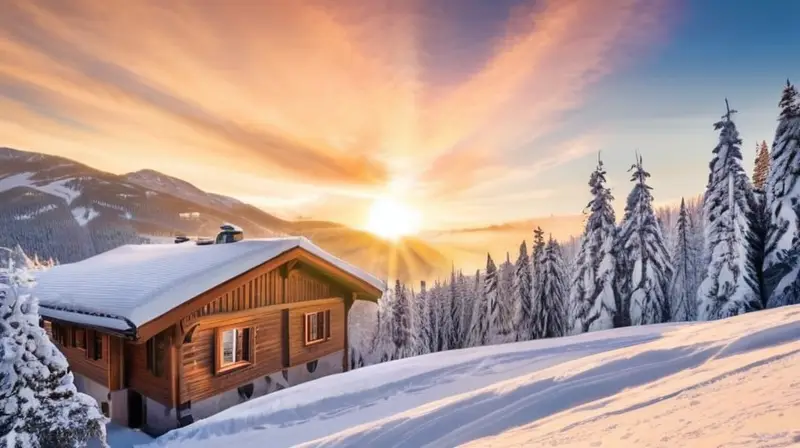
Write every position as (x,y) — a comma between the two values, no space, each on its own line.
(733,381)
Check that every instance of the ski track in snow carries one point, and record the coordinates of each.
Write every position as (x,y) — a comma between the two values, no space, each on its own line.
(732,381)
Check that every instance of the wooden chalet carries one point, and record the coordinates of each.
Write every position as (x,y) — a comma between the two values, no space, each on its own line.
(161,335)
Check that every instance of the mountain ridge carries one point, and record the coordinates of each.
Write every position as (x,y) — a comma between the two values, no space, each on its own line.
(60,208)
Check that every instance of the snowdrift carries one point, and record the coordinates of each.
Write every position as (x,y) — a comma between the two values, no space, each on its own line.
(732,382)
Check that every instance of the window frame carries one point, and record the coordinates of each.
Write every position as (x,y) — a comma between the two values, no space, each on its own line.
(248,349)
(79,335)
(321,326)
(97,346)
(151,354)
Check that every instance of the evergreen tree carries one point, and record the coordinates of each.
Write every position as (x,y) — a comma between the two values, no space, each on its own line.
(523,283)
(643,269)
(537,260)
(783,194)
(592,286)
(551,317)
(503,305)
(761,166)
(479,335)
(466,295)
(401,330)
(434,311)
(383,346)
(422,320)
(730,284)
(445,326)
(455,329)
(683,288)
(41,407)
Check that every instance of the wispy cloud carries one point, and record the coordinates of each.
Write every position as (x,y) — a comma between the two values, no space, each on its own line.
(320,93)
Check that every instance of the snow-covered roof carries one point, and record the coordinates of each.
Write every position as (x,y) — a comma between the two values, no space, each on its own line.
(134,284)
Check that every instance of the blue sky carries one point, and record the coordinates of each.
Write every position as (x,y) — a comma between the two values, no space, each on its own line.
(665,102)
(472,112)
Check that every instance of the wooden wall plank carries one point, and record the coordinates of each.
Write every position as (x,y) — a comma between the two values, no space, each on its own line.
(142,380)
(199,379)
(299,353)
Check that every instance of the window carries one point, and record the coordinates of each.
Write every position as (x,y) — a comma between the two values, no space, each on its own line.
(59,334)
(79,338)
(234,348)
(156,352)
(95,346)
(318,327)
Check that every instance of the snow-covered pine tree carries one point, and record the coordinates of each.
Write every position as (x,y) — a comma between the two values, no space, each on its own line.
(592,286)
(644,269)
(466,294)
(422,320)
(383,347)
(683,287)
(445,326)
(434,311)
(551,318)
(523,294)
(454,299)
(486,307)
(783,194)
(502,324)
(401,331)
(471,311)
(730,284)
(761,166)
(41,407)
(537,284)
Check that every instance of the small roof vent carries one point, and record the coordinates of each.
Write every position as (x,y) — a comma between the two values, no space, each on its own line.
(230,234)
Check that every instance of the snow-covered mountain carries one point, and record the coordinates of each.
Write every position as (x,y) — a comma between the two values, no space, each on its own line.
(179,188)
(60,208)
(731,382)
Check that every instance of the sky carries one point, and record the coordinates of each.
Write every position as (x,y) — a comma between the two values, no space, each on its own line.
(474,112)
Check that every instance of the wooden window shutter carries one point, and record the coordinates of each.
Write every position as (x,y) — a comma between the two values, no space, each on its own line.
(149,355)
(328,324)
(89,344)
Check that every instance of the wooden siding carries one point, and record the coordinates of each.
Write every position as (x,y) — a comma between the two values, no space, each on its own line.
(199,379)
(138,378)
(78,359)
(265,289)
(299,352)
(317,268)
(302,287)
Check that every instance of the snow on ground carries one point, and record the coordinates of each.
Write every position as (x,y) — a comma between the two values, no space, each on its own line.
(121,437)
(731,382)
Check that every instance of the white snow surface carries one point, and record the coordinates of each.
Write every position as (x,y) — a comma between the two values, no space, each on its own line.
(83,215)
(121,437)
(729,382)
(141,282)
(57,188)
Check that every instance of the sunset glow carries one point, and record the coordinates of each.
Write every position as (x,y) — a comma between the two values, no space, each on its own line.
(306,103)
(392,219)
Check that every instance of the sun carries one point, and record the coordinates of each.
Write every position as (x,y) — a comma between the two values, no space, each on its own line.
(392,219)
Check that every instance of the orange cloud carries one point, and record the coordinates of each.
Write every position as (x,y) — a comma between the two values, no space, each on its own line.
(320,93)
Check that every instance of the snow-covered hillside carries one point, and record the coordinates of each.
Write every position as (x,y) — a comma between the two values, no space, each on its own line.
(732,382)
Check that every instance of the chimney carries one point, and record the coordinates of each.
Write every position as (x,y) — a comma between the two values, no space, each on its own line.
(230,234)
